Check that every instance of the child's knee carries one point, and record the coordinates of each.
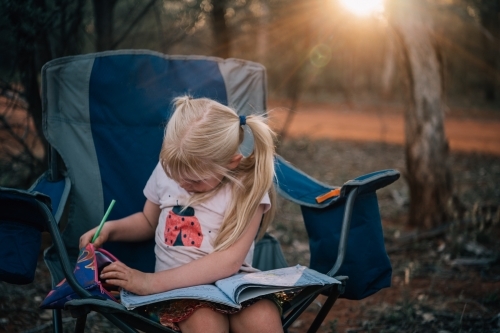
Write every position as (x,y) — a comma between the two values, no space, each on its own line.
(262,317)
(205,320)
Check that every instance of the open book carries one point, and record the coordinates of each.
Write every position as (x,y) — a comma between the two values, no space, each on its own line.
(234,290)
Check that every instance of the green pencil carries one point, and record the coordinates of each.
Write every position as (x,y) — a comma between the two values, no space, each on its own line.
(103,220)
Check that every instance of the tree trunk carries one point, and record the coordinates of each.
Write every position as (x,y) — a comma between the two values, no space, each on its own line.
(221,31)
(103,22)
(389,67)
(490,20)
(295,83)
(427,152)
(262,33)
(32,53)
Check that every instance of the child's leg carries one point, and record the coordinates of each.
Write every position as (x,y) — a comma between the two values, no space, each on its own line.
(205,320)
(261,317)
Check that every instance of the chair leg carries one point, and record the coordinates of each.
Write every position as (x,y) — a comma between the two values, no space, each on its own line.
(123,326)
(323,312)
(296,313)
(80,324)
(57,320)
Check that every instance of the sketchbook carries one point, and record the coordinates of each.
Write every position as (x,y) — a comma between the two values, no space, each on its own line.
(234,290)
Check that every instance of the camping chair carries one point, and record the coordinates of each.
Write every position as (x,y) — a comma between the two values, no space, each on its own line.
(104,116)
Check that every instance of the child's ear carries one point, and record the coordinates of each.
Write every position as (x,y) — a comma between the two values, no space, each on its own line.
(235,161)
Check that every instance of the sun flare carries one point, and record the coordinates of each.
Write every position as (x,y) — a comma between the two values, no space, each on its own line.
(363,7)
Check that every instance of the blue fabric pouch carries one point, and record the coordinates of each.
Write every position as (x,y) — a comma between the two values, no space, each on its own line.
(21,225)
(88,268)
(366,262)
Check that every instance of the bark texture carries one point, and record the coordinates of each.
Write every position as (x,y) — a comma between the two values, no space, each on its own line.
(427,152)
(104,23)
(489,12)
(221,31)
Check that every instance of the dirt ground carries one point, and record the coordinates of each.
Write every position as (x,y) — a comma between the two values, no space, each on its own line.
(467,130)
(448,281)
(431,291)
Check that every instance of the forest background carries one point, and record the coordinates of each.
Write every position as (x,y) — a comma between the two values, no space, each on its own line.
(402,67)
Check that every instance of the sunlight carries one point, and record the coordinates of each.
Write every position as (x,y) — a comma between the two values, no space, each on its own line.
(363,7)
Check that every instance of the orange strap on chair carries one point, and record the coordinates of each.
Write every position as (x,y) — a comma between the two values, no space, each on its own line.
(328,195)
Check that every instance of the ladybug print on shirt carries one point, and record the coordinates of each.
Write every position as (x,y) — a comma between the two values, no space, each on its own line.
(182,228)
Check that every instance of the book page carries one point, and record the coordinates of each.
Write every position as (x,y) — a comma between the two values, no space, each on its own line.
(266,282)
(207,292)
(256,291)
(237,288)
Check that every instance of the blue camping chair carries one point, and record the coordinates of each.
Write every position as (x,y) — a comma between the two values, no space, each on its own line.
(104,116)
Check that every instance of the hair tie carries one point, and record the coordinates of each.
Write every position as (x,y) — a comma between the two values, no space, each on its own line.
(243,120)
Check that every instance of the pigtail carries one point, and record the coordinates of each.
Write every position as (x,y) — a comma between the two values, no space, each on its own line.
(263,172)
(254,179)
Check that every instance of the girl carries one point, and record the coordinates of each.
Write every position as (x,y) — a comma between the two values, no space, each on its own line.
(205,205)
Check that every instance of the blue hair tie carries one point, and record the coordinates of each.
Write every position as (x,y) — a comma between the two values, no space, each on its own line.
(243,120)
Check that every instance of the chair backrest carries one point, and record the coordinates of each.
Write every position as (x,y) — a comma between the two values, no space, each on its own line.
(105,115)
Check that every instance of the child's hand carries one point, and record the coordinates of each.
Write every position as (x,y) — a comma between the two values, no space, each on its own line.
(121,275)
(87,237)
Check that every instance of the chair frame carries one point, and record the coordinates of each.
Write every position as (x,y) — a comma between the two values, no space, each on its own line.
(128,321)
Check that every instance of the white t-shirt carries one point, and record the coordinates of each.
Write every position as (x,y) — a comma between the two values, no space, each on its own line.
(186,235)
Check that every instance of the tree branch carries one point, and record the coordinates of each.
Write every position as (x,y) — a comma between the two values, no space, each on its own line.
(132,25)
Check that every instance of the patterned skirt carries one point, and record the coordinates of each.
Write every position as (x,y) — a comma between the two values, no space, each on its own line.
(170,313)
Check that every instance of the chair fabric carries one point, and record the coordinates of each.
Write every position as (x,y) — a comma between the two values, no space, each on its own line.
(268,255)
(366,262)
(20,234)
(57,190)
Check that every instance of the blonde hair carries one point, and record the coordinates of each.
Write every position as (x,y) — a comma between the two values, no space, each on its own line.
(200,140)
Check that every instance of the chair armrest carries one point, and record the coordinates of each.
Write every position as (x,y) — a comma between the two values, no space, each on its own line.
(344,233)
(127,321)
(106,304)
(343,225)
(109,309)
(352,188)
(58,243)
(371,181)
(298,187)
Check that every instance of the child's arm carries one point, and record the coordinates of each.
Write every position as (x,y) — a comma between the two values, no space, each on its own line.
(208,269)
(135,227)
